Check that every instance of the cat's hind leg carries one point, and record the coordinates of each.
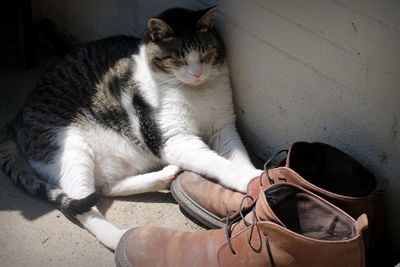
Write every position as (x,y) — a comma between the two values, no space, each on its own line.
(107,233)
(74,167)
(148,182)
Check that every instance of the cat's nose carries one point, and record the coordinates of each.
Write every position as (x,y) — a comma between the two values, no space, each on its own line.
(197,74)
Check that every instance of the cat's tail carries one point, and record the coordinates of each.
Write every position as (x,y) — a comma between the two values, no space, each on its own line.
(17,168)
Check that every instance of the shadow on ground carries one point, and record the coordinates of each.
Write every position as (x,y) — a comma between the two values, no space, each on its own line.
(12,198)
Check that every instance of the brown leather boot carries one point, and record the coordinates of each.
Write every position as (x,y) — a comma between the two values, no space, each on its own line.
(321,168)
(287,226)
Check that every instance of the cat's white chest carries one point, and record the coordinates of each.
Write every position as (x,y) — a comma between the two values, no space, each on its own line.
(196,110)
(203,106)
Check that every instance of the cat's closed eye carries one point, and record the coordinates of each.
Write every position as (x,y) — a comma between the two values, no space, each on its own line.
(208,56)
(163,58)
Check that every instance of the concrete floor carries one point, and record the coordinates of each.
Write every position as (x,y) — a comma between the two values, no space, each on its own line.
(33,232)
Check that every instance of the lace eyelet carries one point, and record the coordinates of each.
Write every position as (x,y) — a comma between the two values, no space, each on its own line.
(268,166)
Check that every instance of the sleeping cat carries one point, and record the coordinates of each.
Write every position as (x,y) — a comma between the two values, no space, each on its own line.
(123,115)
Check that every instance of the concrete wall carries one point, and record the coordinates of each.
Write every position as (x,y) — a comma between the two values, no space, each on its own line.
(319,70)
(313,70)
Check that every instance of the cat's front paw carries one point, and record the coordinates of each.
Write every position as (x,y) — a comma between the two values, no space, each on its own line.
(241,185)
(242,182)
(171,172)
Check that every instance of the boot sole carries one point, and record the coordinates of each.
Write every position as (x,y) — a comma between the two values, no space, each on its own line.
(120,252)
(192,208)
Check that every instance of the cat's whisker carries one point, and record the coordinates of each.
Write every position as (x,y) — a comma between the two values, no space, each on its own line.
(168,85)
(174,82)
(170,80)
(171,84)
(179,86)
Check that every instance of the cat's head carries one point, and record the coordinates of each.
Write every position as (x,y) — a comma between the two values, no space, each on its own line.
(183,44)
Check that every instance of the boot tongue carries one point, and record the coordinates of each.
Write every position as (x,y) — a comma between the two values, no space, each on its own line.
(264,211)
(254,187)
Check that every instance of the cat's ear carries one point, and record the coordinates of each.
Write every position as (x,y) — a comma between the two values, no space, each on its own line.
(206,22)
(158,29)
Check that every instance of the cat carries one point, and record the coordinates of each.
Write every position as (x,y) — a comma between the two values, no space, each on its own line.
(123,116)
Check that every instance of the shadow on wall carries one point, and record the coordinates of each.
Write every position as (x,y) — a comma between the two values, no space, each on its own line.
(95,19)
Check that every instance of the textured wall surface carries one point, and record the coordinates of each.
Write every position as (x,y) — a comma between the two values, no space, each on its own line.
(312,70)
(319,70)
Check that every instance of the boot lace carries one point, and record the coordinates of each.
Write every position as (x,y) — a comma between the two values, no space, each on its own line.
(268,165)
(252,224)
